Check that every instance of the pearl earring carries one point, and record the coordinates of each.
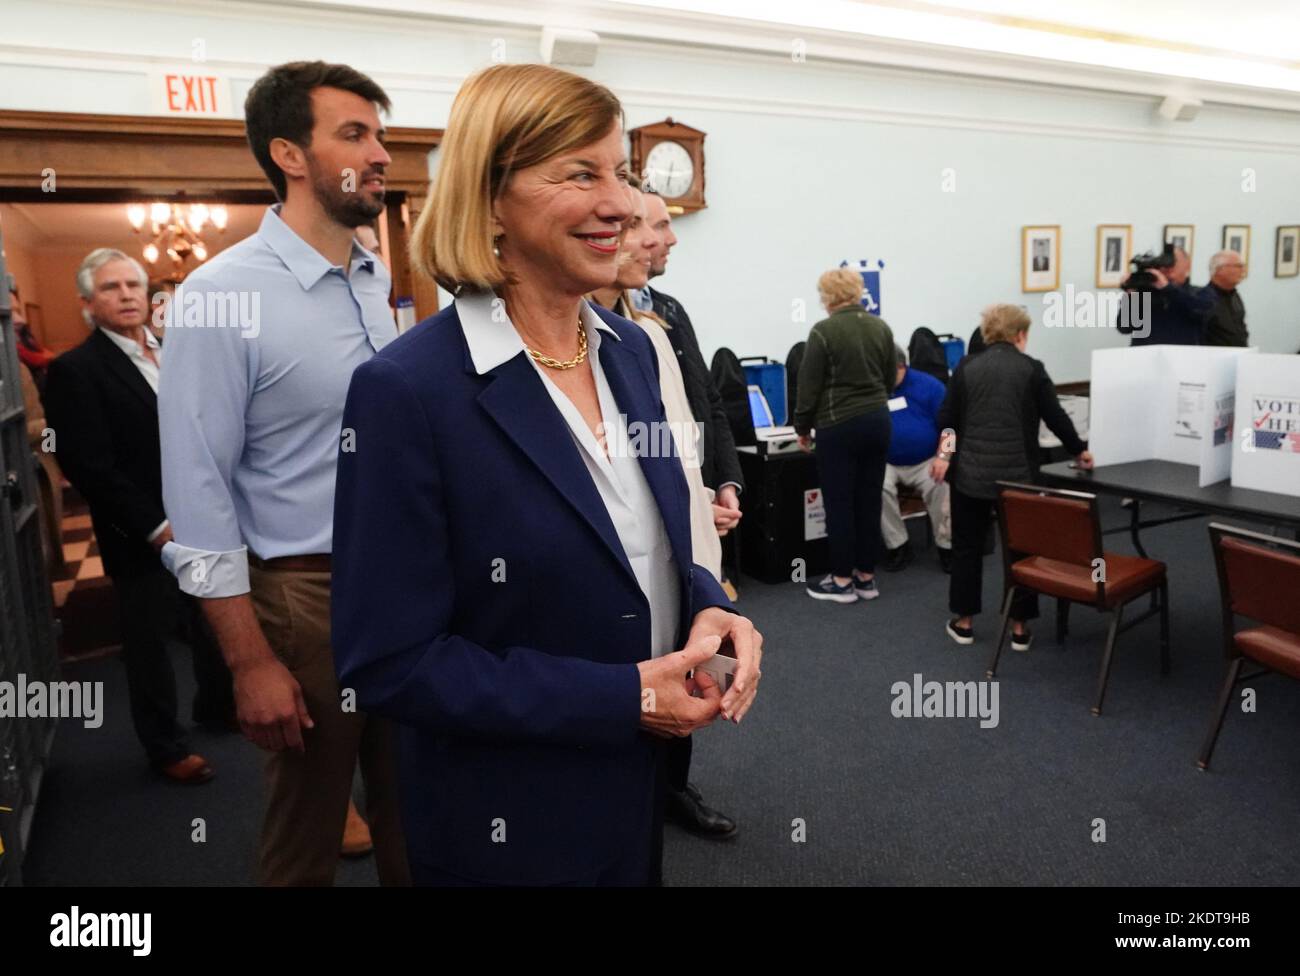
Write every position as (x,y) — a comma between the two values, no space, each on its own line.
(496,248)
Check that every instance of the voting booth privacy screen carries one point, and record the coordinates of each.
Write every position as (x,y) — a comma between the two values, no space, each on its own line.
(1234,413)
(1267,454)
(1165,403)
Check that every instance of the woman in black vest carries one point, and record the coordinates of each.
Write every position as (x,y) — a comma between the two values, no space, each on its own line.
(990,422)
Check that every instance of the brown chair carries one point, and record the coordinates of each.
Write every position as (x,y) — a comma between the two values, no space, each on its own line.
(1259,578)
(1051,544)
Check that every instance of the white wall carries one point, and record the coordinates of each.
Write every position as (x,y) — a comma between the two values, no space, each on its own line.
(807,164)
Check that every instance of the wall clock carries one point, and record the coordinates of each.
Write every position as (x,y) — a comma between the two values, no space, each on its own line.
(669,157)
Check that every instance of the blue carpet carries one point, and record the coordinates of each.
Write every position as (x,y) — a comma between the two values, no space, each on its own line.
(877,800)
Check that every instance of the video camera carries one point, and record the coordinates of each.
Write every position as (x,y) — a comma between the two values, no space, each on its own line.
(1141,279)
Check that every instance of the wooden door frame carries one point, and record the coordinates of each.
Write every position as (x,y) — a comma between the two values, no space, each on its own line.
(75,157)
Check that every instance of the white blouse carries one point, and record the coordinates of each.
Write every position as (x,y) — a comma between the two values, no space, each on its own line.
(615,471)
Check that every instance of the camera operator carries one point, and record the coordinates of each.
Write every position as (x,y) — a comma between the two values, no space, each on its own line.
(1177,313)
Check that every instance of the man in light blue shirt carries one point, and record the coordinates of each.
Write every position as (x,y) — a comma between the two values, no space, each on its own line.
(261,344)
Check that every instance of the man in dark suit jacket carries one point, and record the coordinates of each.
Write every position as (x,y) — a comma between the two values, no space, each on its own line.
(101,402)
(719,465)
(1227,322)
(720,469)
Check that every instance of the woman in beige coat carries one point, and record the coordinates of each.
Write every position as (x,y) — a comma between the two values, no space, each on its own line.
(633,273)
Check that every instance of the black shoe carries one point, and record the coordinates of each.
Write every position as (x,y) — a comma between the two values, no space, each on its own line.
(897,559)
(688,809)
(962,635)
(945,560)
(1021,642)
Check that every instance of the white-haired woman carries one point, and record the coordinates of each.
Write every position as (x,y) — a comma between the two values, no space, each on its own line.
(993,407)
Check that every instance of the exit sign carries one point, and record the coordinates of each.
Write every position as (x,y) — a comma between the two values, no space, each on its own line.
(190,91)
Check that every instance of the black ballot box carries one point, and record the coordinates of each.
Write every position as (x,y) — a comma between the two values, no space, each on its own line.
(784,517)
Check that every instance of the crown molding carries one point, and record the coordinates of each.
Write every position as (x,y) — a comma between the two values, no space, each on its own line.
(523,20)
(633,22)
(137,64)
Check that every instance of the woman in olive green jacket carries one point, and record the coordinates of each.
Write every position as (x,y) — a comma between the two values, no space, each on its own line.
(847,375)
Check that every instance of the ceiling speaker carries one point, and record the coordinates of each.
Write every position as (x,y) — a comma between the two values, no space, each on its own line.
(1178,109)
(564,45)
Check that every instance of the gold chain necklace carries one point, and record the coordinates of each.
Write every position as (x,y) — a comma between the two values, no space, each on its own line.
(568,363)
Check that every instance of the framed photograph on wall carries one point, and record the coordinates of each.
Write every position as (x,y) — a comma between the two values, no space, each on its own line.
(1236,237)
(1040,258)
(1286,262)
(1114,248)
(1181,235)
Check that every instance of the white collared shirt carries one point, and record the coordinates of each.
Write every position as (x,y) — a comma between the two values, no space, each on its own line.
(618,477)
(148,369)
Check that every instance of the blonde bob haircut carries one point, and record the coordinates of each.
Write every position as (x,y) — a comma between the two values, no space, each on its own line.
(505,118)
(1002,323)
(842,286)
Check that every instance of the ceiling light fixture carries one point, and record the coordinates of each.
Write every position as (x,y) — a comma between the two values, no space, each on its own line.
(174,230)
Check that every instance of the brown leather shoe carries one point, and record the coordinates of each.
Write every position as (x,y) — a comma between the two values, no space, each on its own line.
(356,834)
(192,770)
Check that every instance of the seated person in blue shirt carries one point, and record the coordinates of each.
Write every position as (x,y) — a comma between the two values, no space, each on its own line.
(914,409)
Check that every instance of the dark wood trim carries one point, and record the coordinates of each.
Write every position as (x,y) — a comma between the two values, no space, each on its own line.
(398,256)
(152,155)
(121,158)
(423,288)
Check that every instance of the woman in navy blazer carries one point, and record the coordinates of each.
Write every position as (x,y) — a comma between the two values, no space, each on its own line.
(509,586)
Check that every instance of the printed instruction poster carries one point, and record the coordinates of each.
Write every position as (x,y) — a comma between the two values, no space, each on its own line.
(1189,411)
(814,515)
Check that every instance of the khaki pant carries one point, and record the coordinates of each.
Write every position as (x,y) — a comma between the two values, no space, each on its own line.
(935,496)
(308,792)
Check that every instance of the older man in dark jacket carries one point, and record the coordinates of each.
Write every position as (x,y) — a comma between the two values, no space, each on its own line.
(992,409)
(720,470)
(101,401)
(1227,323)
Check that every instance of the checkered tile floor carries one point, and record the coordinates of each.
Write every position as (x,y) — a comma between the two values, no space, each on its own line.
(83,595)
(81,563)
